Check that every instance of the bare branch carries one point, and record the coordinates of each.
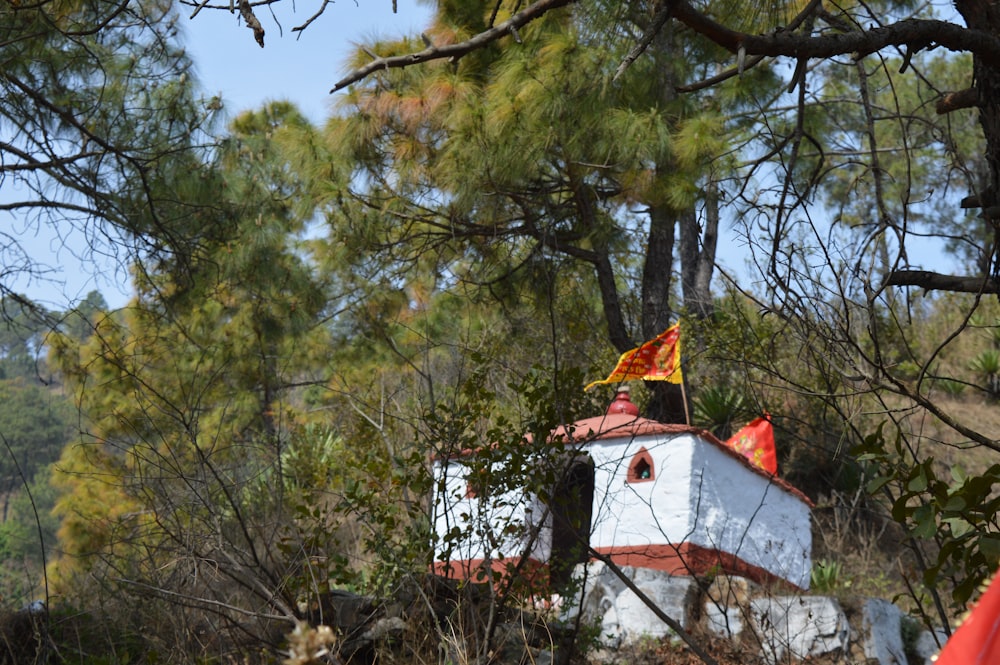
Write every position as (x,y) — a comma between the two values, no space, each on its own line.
(316,15)
(916,34)
(659,20)
(712,81)
(749,63)
(930,281)
(196,601)
(246,11)
(954,101)
(508,27)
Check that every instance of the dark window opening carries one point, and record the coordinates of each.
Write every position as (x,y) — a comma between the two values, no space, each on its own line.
(641,469)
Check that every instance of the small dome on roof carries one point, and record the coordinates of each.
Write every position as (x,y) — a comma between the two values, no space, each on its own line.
(623,403)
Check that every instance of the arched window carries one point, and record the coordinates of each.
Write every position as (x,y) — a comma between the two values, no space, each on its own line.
(641,469)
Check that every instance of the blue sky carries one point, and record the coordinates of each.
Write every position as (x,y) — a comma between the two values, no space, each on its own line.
(299,67)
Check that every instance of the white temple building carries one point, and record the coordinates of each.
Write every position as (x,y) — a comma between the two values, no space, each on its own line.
(645,494)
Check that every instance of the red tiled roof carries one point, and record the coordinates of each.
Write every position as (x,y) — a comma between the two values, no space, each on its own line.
(620,425)
(617,425)
(623,425)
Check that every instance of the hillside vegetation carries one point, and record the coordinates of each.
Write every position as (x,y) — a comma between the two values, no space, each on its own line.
(494,211)
(338,500)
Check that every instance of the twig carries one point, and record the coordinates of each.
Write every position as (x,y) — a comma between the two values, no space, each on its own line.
(319,12)
(197,9)
(659,20)
(194,601)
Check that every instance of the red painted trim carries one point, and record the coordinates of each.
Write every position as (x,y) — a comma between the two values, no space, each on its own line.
(688,559)
(684,560)
(533,574)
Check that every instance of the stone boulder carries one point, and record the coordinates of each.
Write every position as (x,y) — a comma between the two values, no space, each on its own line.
(780,628)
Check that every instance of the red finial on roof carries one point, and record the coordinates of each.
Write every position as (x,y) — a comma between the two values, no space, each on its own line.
(623,403)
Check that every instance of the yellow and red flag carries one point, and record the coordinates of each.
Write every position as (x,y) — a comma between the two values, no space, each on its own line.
(977,640)
(756,443)
(657,360)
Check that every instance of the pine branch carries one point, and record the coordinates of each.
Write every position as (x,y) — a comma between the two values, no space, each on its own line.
(749,63)
(913,34)
(962,99)
(454,51)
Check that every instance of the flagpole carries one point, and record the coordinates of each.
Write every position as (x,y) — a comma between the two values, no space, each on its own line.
(684,398)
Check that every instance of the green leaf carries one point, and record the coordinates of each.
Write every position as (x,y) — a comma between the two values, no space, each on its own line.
(918,483)
(924,523)
(989,547)
(954,503)
(875,484)
(959,527)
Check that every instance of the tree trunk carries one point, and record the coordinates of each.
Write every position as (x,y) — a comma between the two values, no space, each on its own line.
(697,249)
(667,402)
(983,15)
(657,273)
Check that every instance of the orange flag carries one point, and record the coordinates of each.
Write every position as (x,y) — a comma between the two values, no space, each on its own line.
(656,360)
(756,443)
(977,640)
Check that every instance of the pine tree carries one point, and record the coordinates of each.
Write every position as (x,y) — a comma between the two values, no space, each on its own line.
(190,395)
(538,155)
(96,100)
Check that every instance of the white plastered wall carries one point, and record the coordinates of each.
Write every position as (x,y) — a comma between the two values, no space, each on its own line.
(747,514)
(484,521)
(644,513)
(703,496)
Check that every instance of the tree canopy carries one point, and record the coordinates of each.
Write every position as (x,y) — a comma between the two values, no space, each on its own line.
(496,209)
(796,34)
(97,105)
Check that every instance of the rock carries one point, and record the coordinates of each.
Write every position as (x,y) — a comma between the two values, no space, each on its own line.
(786,629)
(725,601)
(542,657)
(882,632)
(799,626)
(518,642)
(343,611)
(928,645)
(723,621)
(36,607)
(621,612)
(386,629)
